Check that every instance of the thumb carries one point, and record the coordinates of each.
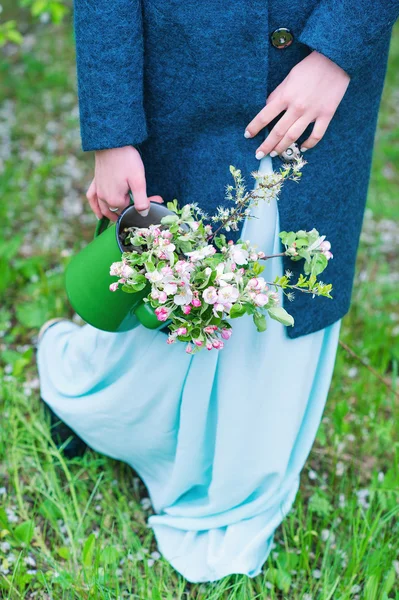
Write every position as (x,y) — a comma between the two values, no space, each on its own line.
(139,193)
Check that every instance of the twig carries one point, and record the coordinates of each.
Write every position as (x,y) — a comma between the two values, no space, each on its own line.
(387,383)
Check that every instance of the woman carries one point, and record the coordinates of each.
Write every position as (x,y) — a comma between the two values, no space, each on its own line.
(171,94)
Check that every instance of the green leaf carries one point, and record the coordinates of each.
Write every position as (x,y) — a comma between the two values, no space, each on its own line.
(371,588)
(109,555)
(3,519)
(88,550)
(260,321)
(278,313)
(258,268)
(64,552)
(24,532)
(49,510)
(319,263)
(237,310)
(283,580)
(169,219)
(389,581)
(319,505)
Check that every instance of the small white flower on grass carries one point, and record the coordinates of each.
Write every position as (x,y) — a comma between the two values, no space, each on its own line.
(12,517)
(380,476)
(325,534)
(31,571)
(155,555)
(355,589)
(145,503)
(395,565)
(29,560)
(3,491)
(5,547)
(340,469)
(316,573)
(307,597)
(352,372)
(362,496)
(312,475)
(341,501)
(268,585)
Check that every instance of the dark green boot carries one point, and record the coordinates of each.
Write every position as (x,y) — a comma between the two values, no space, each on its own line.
(60,433)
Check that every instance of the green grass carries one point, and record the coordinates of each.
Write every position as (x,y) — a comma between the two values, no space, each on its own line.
(81,524)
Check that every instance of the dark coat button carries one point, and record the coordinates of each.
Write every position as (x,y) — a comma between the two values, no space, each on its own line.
(281,38)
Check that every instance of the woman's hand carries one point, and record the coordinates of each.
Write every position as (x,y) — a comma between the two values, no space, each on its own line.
(311,92)
(117,171)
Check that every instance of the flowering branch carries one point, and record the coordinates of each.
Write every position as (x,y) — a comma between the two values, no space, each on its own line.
(197,281)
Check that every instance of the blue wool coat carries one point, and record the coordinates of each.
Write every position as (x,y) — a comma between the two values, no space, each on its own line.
(180,80)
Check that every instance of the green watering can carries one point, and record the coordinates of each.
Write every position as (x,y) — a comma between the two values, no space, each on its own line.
(87,277)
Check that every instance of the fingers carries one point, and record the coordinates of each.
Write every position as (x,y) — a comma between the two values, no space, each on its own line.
(263,118)
(104,207)
(319,129)
(138,188)
(91,195)
(157,199)
(291,136)
(284,129)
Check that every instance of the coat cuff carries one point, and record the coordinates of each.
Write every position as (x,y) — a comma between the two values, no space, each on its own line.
(350,32)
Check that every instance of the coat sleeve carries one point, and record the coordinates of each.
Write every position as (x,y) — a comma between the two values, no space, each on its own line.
(348,31)
(109,59)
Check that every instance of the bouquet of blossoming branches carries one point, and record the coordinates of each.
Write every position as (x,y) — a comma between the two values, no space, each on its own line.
(198,281)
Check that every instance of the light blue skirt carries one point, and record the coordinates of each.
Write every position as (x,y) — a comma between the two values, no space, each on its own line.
(219,438)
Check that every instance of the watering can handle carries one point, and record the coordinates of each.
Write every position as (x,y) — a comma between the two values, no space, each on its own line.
(103,223)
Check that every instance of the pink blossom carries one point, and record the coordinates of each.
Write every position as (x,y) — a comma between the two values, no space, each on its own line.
(253,284)
(186,309)
(170,340)
(226,333)
(233,266)
(115,269)
(167,270)
(189,348)
(210,295)
(167,234)
(162,313)
(198,343)
(127,271)
(325,246)
(261,254)
(114,286)
(210,328)
(230,242)
(209,345)
(181,331)
(261,299)
(162,297)
(196,302)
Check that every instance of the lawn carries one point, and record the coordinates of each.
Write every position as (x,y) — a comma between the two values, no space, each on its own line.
(76,529)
